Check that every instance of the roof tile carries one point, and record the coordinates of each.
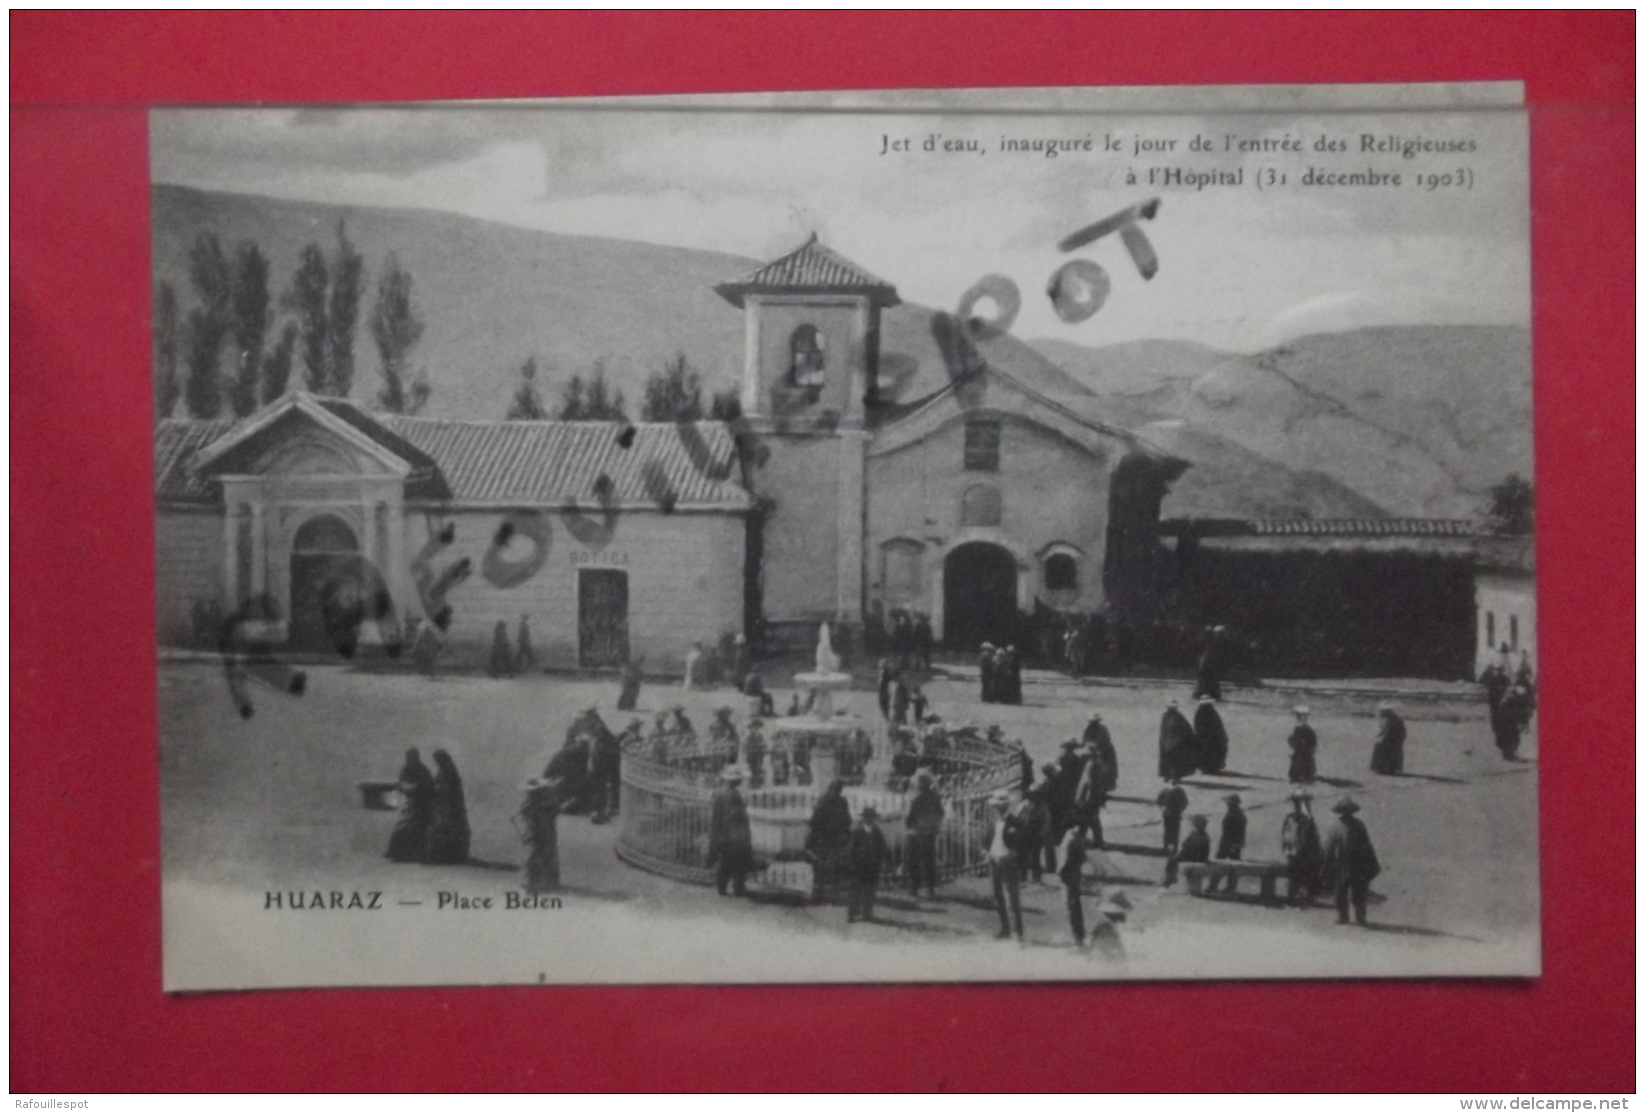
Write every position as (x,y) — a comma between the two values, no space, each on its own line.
(811,266)
(526,463)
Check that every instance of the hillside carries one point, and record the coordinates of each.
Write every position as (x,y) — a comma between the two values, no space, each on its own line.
(1420,420)
(492,294)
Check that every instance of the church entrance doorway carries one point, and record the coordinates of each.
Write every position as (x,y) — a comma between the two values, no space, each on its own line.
(325,558)
(979,589)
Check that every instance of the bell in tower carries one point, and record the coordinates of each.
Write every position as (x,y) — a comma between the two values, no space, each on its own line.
(813,326)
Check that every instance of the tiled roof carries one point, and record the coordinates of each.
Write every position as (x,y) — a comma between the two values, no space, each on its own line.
(175,442)
(526,463)
(1365,527)
(811,266)
(539,462)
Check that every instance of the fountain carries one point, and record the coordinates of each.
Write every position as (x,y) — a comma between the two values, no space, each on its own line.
(666,802)
(824,680)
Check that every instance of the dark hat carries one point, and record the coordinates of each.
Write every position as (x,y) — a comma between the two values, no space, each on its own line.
(1198,820)
(870,812)
(1096,717)
(1345,806)
(924,777)
(1232,798)
(1071,744)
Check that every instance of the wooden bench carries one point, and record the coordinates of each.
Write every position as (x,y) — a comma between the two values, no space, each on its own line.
(1197,873)
(374,795)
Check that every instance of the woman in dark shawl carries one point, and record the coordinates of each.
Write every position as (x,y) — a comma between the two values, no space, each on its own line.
(1388,755)
(410,837)
(539,831)
(828,839)
(448,826)
(628,697)
(1176,744)
(1211,736)
(502,656)
(1303,743)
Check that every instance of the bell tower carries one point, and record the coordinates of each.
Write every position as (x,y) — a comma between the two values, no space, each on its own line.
(810,366)
(813,335)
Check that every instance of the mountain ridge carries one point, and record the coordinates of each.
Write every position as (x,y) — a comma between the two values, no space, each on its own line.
(493,294)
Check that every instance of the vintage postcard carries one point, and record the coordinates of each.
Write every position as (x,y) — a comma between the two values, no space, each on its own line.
(977,535)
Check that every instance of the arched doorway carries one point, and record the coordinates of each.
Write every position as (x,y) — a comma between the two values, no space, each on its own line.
(979,589)
(325,557)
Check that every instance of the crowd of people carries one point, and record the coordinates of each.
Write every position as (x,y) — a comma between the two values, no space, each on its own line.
(999,674)
(1343,864)
(1047,827)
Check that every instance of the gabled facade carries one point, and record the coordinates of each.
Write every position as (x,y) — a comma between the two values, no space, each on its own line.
(981,502)
(612,541)
(972,506)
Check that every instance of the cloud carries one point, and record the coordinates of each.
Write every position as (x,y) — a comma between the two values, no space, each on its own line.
(1239,267)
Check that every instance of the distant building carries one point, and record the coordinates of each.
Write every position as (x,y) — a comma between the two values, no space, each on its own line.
(1345,597)
(979,504)
(611,544)
(968,504)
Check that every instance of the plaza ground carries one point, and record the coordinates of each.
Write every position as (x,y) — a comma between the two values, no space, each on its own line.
(270,803)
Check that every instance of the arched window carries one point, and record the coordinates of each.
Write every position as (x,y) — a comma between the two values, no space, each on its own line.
(1062,572)
(980,506)
(807,359)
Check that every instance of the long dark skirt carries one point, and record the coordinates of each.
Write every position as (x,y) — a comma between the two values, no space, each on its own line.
(409,839)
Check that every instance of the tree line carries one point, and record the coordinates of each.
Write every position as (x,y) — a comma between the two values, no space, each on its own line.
(232,352)
(674,393)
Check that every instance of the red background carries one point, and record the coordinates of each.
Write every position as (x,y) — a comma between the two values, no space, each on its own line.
(86,1008)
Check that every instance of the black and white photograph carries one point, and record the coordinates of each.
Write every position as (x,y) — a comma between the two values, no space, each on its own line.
(985,535)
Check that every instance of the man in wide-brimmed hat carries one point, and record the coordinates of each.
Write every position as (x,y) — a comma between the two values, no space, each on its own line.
(1299,841)
(924,821)
(865,858)
(538,827)
(1195,847)
(1005,837)
(1232,843)
(605,768)
(1350,861)
(730,840)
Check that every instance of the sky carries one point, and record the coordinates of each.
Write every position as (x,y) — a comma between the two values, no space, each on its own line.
(1241,267)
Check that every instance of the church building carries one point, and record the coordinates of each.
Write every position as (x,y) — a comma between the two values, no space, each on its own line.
(827,501)
(967,504)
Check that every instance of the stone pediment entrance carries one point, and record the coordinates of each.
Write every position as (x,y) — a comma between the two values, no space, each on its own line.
(313,509)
